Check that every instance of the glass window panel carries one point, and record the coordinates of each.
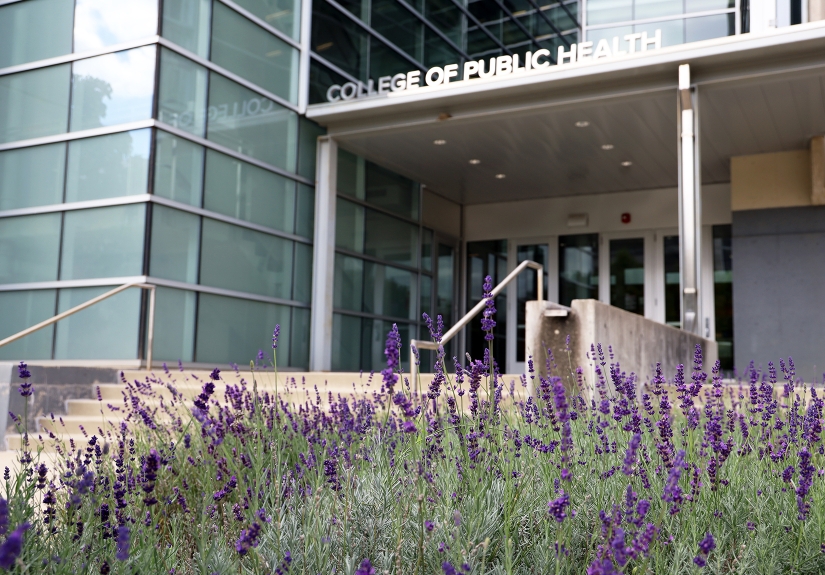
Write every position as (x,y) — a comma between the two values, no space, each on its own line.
(113,89)
(305,211)
(299,356)
(704,5)
(108,166)
(723,293)
(232,330)
(174,325)
(245,260)
(351,174)
(20,310)
(578,267)
(437,52)
(178,169)
(426,297)
(308,139)
(182,93)
(29,248)
(656,8)
(346,342)
(186,23)
(389,291)
(373,341)
(250,124)
(100,23)
(32,176)
(104,242)
(609,33)
(35,30)
(446,16)
(253,53)
(479,43)
(707,27)
(348,283)
(627,274)
(446,283)
(390,191)
(349,226)
(487,258)
(107,330)
(561,18)
(240,190)
(608,11)
(173,253)
(390,239)
(320,79)
(527,284)
(392,20)
(35,103)
(302,275)
(283,15)
(673,31)
(427,249)
(673,314)
(339,40)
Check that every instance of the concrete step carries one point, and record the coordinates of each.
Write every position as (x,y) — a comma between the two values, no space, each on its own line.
(14,441)
(77,424)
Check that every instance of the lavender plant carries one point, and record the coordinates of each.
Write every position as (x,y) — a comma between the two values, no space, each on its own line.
(471,476)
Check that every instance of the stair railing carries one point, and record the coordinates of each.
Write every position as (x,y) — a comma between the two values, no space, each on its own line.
(416,344)
(150,327)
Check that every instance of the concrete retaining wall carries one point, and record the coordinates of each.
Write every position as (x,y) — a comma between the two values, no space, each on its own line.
(638,343)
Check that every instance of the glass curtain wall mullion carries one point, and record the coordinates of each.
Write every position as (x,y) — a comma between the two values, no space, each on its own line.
(550,23)
(333,67)
(378,208)
(368,315)
(200,288)
(261,22)
(518,24)
(73,206)
(375,260)
(212,67)
(375,35)
(68,284)
(78,135)
(434,28)
(481,27)
(672,17)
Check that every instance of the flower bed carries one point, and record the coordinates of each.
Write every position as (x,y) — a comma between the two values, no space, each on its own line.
(472,476)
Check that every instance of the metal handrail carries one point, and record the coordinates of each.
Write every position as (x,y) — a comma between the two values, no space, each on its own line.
(91,302)
(453,331)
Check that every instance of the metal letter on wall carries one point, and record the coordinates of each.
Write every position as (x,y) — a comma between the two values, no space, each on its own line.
(690,203)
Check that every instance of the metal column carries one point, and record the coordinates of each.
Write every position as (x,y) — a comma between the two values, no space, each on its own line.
(323,263)
(690,203)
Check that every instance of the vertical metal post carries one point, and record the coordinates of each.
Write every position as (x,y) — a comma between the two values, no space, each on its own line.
(690,224)
(150,328)
(323,265)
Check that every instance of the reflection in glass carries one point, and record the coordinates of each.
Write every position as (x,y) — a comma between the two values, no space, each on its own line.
(250,124)
(174,325)
(245,260)
(29,247)
(173,253)
(113,89)
(253,53)
(673,31)
(283,15)
(106,330)
(426,297)
(392,20)
(426,249)
(705,5)
(35,30)
(108,166)
(607,11)
(232,330)
(182,93)
(348,283)
(627,274)
(100,23)
(186,23)
(350,179)
(723,293)
(305,211)
(21,310)
(657,8)
(349,226)
(673,303)
(240,190)
(32,176)
(390,191)
(707,27)
(35,103)
(103,242)
(390,239)
(308,138)
(302,274)
(340,41)
(178,169)
(526,289)
(346,353)
(578,267)
(299,354)
(389,291)
(320,79)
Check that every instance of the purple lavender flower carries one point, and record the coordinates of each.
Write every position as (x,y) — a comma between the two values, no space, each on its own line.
(707,544)
(602,567)
(392,353)
(365,568)
(248,539)
(275,335)
(630,455)
(4,516)
(448,568)
(557,507)
(23,373)
(408,427)
(12,547)
(122,543)
(487,321)
(429,525)
(672,493)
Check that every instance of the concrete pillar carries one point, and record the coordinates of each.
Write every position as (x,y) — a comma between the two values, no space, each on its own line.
(690,205)
(816,10)
(323,264)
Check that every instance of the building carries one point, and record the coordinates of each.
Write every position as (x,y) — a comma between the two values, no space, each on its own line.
(274,161)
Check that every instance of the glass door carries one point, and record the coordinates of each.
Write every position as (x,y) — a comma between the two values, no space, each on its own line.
(628,259)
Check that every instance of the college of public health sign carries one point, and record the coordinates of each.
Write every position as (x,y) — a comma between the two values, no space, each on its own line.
(498,67)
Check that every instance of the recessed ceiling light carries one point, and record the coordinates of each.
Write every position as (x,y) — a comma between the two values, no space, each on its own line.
(607,146)
(475,162)
(439,142)
(582,124)
(500,176)
(627,163)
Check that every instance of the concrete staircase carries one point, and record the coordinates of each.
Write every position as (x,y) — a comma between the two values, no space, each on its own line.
(84,417)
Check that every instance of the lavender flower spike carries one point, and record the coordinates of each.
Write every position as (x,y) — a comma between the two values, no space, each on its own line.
(392,351)
(122,543)
(12,547)
(365,568)
(487,321)
(23,373)
(275,335)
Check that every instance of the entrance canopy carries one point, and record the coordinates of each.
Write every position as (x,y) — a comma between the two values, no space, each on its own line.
(594,127)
